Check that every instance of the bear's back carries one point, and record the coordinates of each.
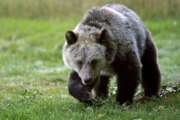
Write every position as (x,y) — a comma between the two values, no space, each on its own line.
(125,26)
(129,22)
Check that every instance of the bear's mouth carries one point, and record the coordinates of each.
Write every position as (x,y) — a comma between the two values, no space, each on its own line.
(92,84)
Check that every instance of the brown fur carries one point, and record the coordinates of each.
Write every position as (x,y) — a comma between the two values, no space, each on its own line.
(111,40)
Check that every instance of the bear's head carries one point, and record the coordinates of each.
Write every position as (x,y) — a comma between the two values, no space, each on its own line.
(88,54)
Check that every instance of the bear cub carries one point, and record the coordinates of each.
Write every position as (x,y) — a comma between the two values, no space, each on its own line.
(111,41)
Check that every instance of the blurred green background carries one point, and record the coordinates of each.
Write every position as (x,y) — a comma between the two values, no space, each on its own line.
(148,9)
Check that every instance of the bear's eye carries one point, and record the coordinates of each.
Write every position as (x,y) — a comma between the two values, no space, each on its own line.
(79,63)
(94,62)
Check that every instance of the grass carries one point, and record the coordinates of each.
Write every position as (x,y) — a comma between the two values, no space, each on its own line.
(153,9)
(33,78)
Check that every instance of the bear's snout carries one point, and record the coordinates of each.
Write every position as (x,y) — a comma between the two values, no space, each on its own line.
(88,81)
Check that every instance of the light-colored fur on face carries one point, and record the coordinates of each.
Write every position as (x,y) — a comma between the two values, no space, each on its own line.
(87,59)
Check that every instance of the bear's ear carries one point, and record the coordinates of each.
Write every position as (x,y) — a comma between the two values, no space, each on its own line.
(71,37)
(101,35)
(105,38)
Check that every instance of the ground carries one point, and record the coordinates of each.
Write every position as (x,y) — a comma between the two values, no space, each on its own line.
(33,79)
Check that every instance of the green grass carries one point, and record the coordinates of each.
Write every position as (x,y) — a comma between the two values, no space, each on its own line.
(33,78)
(44,9)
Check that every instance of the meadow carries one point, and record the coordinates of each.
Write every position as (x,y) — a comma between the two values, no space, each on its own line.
(33,79)
(63,9)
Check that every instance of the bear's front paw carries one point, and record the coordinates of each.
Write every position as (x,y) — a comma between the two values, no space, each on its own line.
(81,92)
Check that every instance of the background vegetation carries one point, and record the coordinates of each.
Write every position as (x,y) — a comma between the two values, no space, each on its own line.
(154,9)
(33,78)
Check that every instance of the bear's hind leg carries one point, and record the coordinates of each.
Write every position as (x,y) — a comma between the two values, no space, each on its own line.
(150,71)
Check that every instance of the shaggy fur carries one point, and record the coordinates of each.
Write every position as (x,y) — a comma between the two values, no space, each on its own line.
(112,40)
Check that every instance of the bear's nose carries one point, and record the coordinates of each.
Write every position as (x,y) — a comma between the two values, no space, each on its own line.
(88,81)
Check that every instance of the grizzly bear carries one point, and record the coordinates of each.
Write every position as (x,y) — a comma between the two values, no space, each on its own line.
(111,41)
